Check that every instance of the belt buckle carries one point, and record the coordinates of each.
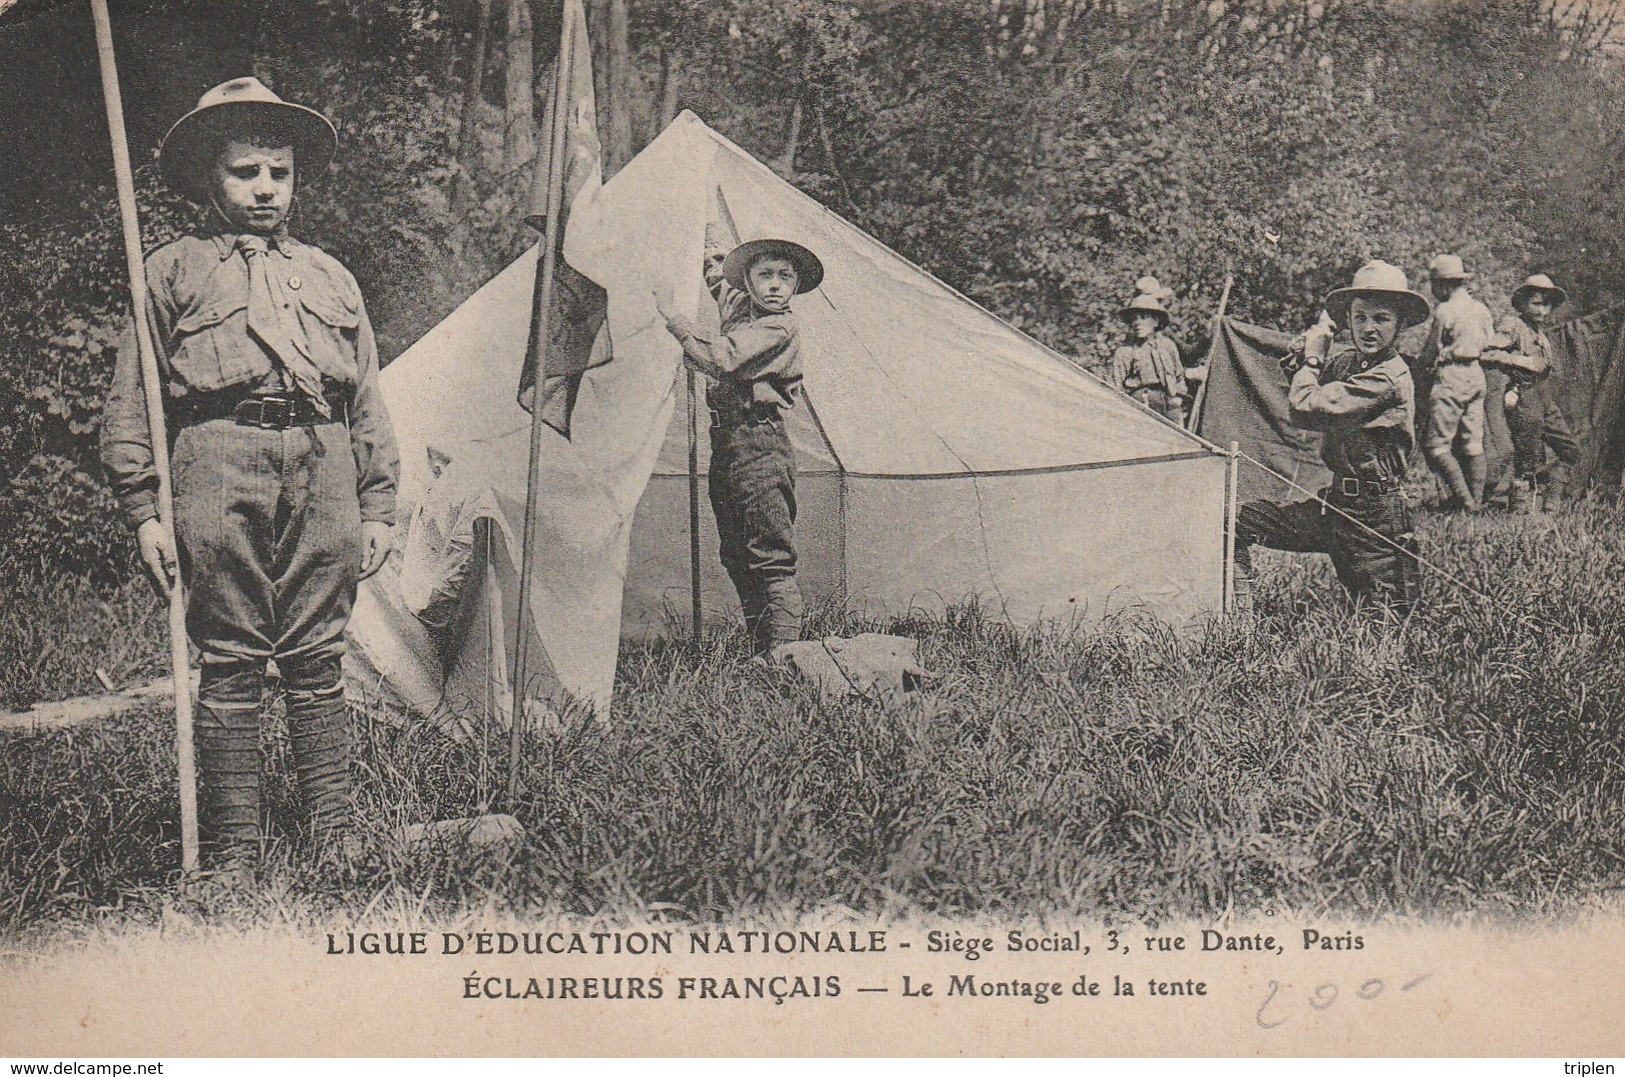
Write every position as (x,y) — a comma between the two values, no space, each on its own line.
(271,412)
(1348,486)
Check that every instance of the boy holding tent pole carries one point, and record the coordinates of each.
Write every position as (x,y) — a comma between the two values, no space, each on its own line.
(1364,402)
(284,464)
(754,372)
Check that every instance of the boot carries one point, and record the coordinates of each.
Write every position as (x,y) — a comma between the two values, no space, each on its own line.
(750,605)
(319,729)
(1461,495)
(227,739)
(1474,471)
(781,614)
(1555,495)
(1521,498)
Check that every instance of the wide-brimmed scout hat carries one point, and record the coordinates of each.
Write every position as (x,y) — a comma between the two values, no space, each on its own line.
(1448,267)
(1153,287)
(1144,304)
(184,154)
(1540,282)
(1379,280)
(809,269)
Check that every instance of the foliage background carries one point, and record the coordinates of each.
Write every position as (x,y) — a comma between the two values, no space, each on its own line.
(1038,155)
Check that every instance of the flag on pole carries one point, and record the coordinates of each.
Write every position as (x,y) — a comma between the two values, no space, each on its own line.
(576,339)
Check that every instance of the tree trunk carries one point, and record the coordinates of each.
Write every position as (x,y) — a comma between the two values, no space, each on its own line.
(618,149)
(519,129)
(785,163)
(830,158)
(598,32)
(473,90)
(671,77)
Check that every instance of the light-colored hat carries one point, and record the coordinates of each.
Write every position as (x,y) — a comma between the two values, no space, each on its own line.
(183,154)
(809,270)
(1152,287)
(1540,282)
(1448,267)
(1144,304)
(1379,280)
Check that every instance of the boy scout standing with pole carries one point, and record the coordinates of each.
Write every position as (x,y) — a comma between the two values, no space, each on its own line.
(1364,402)
(284,464)
(754,372)
(1462,328)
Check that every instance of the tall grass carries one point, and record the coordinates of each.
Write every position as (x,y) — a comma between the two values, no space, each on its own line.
(57,630)
(1468,761)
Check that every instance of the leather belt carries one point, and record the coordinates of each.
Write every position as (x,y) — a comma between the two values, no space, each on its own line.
(757,416)
(1353,487)
(265,411)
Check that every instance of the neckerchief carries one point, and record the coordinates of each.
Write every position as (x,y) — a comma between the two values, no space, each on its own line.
(272,321)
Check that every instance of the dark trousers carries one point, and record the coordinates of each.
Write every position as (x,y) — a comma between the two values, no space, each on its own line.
(268,524)
(1498,451)
(753,493)
(1538,424)
(1367,564)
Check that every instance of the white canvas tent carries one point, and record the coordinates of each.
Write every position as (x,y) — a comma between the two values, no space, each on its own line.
(942,456)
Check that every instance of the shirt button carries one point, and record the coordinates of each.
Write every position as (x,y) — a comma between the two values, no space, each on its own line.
(293,282)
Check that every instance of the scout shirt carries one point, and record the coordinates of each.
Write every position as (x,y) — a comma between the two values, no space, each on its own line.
(755,359)
(1462,328)
(197,304)
(1150,364)
(1531,341)
(1365,408)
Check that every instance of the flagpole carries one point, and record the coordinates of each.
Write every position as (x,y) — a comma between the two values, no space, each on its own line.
(542,300)
(1218,326)
(179,658)
(694,509)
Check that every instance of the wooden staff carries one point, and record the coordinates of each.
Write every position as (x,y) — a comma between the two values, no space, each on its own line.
(179,658)
(546,265)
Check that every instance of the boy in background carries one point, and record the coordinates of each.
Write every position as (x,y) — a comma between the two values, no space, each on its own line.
(1149,369)
(1462,328)
(1533,415)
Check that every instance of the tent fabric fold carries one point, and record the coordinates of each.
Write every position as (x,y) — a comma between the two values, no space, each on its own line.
(1589,381)
(943,456)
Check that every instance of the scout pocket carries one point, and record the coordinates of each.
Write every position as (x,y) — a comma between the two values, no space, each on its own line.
(330,323)
(211,349)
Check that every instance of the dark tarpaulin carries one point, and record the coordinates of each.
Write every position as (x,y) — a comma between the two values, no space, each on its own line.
(1589,378)
(1245,401)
